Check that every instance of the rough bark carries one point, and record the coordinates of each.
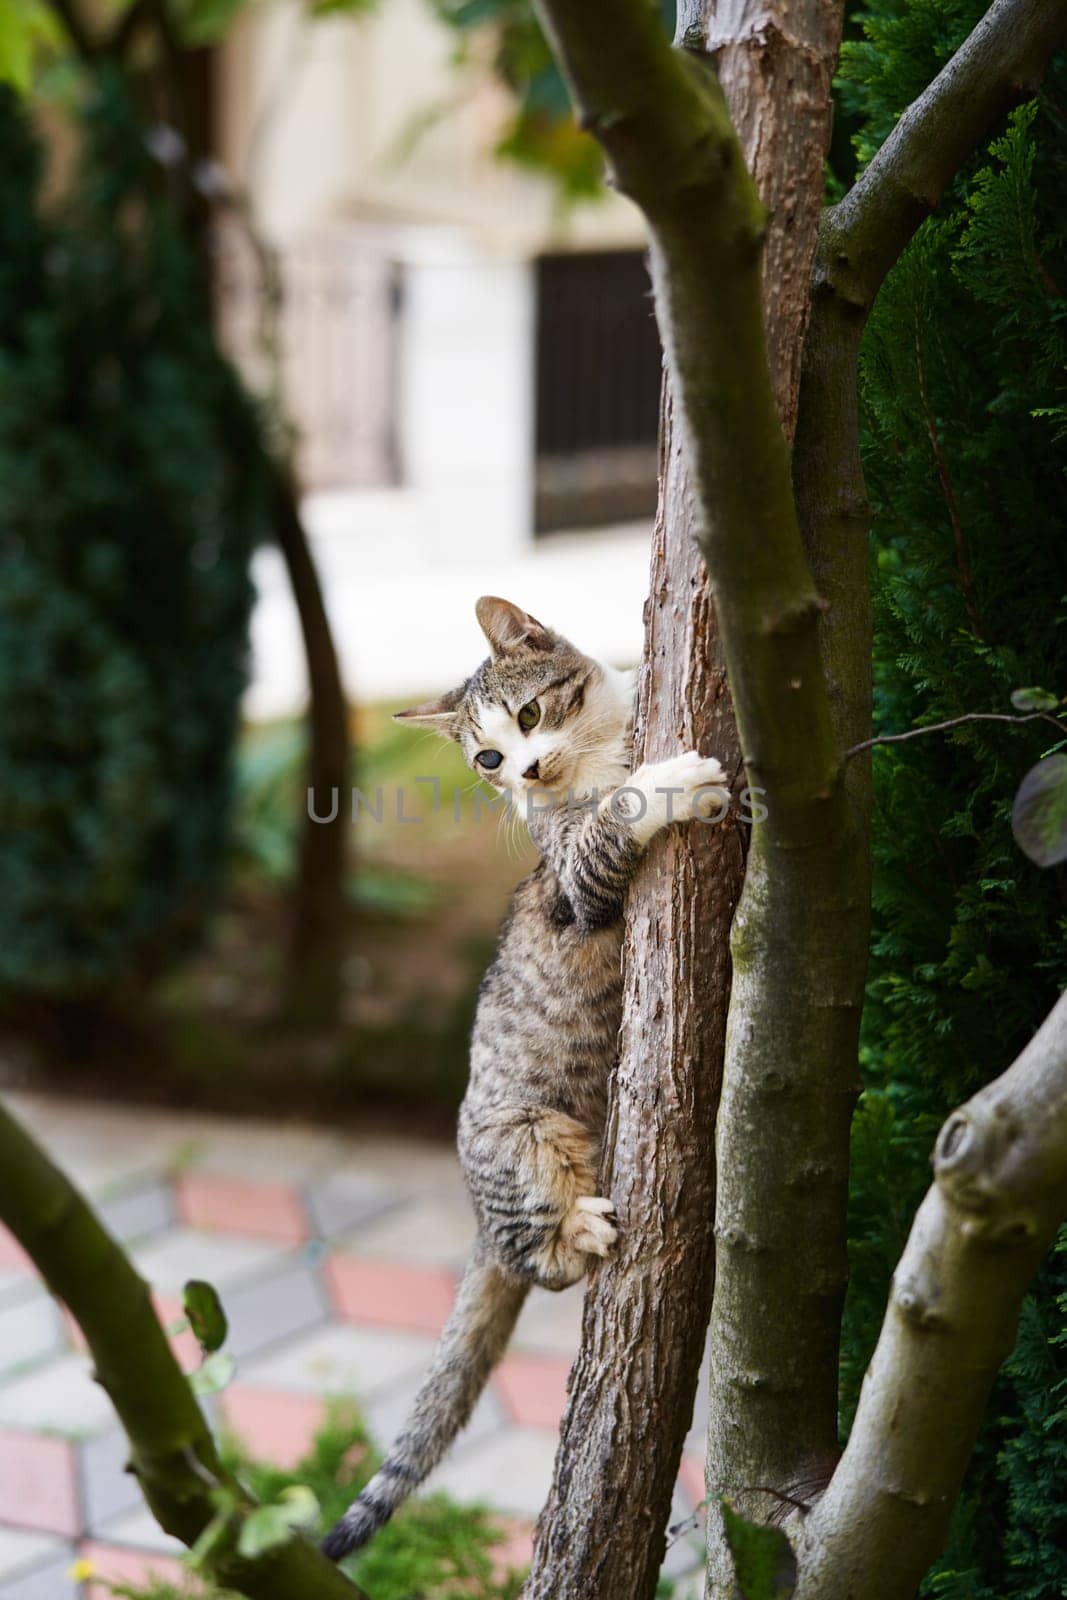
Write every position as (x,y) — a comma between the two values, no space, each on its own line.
(999,1195)
(602,1533)
(319,913)
(171,1448)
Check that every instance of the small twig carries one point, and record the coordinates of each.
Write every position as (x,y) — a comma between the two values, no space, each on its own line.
(954,722)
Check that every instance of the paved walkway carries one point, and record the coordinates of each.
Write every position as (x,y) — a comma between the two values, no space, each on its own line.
(336,1258)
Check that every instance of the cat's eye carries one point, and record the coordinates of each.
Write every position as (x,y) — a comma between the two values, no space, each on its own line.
(489,759)
(529,716)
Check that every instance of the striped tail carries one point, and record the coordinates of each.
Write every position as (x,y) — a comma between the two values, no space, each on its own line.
(472,1342)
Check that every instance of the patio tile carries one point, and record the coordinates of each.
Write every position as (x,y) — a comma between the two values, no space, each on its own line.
(113,1564)
(274,1307)
(386,1414)
(108,1490)
(515,1549)
(19,1549)
(138,1529)
(345,1202)
(170,1260)
(430,1232)
(138,1211)
(691,1479)
(272,1425)
(38,1487)
(51,1580)
(551,1322)
(685,1540)
(511,1471)
(13,1257)
(533,1389)
(59,1397)
(30,1331)
(391,1294)
(342,1359)
(223,1204)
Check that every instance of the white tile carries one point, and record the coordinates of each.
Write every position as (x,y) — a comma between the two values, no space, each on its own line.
(512,1471)
(437,1231)
(60,1397)
(30,1331)
(20,1549)
(141,1530)
(551,1323)
(169,1261)
(340,1360)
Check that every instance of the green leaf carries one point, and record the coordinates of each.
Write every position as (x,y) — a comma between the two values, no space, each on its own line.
(270,1526)
(300,1504)
(206,1316)
(1039,815)
(16,49)
(215,1374)
(1034,700)
(764,1564)
(207,21)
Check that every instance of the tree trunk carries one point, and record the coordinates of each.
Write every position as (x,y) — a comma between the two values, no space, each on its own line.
(602,1532)
(319,912)
(626,1422)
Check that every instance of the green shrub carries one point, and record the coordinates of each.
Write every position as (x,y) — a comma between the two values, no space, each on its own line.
(432,1547)
(962,380)
(132,492)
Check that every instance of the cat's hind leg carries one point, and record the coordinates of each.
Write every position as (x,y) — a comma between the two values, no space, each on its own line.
(533,1177)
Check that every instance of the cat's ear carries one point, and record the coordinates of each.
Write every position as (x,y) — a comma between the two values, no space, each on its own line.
(509,628)
(438,715)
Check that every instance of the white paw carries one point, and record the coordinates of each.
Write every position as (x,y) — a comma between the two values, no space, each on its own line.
(676,790)
(589,1225)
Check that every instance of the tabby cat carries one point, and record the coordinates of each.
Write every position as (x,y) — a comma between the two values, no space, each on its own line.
(553,729)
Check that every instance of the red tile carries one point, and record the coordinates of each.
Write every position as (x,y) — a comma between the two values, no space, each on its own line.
(239,1205)
(691,1478)
(111,1564)
(515,1549)
(390,1294)
(38,1485)
(533,1389)
(13,1257)
(272,1425)
(170,1311)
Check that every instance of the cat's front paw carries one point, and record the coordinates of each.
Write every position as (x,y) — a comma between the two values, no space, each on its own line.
(676,790)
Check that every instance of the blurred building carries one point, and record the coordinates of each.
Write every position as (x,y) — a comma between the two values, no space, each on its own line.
(471,365)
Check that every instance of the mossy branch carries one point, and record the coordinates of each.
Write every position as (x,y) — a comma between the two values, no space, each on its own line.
(171,1448)
(998,1197)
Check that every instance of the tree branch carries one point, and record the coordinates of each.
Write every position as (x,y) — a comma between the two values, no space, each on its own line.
(999,1195)
(1000,63)
(172,1451)
(954,722)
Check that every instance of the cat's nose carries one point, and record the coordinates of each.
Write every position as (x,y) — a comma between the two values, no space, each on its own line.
(533,770)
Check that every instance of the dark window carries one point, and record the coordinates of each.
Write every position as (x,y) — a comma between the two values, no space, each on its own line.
(598,382)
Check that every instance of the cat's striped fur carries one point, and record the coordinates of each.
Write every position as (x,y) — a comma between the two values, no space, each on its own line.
(545,1032)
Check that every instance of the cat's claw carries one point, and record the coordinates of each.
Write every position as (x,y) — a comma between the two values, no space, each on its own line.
(592,1228)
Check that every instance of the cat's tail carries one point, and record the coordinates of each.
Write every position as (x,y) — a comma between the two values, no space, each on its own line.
(473,1340)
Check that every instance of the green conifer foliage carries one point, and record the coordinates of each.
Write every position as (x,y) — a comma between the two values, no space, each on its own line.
(965,453)
(132,492)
